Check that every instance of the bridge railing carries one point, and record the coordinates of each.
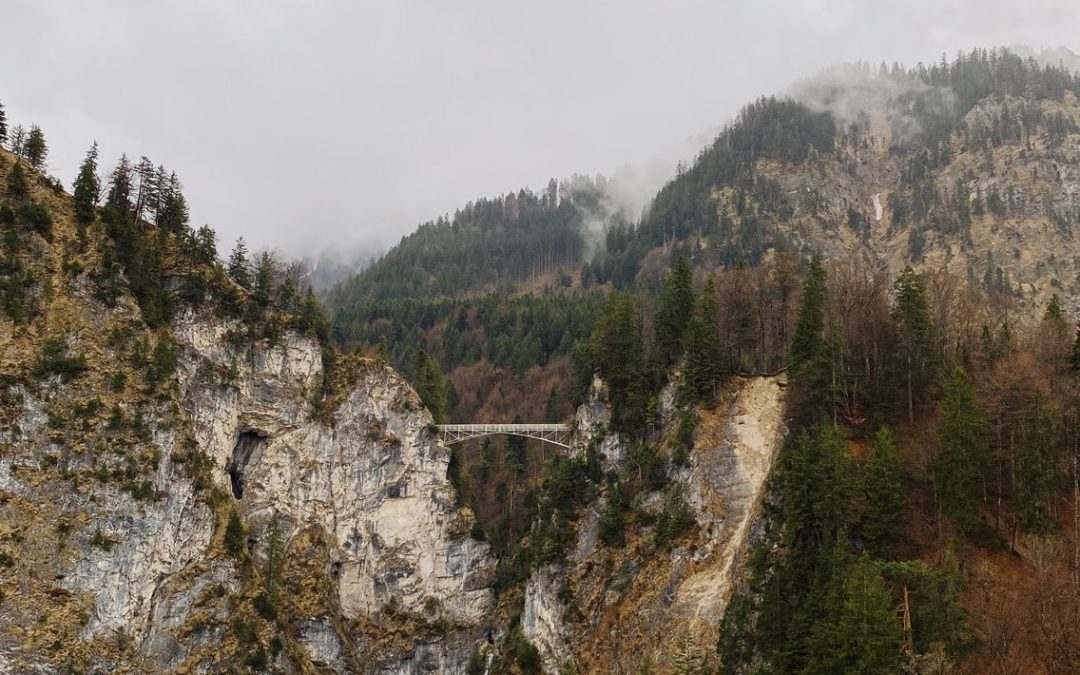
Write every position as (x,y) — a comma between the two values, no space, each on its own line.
(556,434)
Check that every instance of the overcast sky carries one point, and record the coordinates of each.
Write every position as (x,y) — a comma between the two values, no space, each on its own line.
(327,123)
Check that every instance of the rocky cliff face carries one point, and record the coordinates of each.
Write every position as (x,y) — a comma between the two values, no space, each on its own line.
(617,610)
(381,574)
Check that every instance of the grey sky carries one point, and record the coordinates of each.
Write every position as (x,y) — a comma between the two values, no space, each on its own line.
(323,124)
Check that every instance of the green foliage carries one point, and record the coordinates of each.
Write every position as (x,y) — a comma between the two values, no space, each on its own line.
(55,360)
(431,386)
(87,188)
(702,344)
(684,437)
(612,523)
(238,267)
(917,351)
(860,632)
(675,520)
(36,149)
(163,361)
(810,358)
(100,541)
(235,541)
(489,244)
(675,308)
(18,186)
(882,522)
(962,457)
(617,351)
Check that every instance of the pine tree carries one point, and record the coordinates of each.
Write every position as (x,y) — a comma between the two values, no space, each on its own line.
(264,279)
(431,385)
(861,634)
(912,317)
(238,268)
(36,149)
(702,368)
(807,343)
(676,305)
(3,125)
(87,188)
(234,536)
(883,519)
(1053,308)
(171,209)
(616,351)
(962,457)
(18,141)
(811,353)
(18,187)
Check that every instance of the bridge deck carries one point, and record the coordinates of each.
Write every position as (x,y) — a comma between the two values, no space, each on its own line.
(556,434)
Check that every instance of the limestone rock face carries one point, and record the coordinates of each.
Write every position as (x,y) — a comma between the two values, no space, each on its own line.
(603,600)
(543,620)
(369,476)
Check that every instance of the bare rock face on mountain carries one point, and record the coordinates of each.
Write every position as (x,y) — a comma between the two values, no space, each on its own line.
(614,610)
(375,559)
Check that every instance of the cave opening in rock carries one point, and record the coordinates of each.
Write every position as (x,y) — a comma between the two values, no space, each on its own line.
(245,453)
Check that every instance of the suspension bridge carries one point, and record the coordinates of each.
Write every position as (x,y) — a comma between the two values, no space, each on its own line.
(556,434)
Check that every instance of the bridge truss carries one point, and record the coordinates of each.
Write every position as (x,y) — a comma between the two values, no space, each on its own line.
(556,434)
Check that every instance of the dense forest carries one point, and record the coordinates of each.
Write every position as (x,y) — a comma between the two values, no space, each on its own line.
(933,431)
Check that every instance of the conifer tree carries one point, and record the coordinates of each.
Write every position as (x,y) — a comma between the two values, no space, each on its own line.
(431,385)
(676,305)
(912,317)
(3,124)
(18,141)
(811,364)
(234,536)
(238,268)
(861,635)
(883,519)
(617,352)
(87,188)
(1053,308)
(36,149)
(702,368)
(263,286)
(18,187)
(962,456)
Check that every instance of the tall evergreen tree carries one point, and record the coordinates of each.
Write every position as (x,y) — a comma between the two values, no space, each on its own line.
(912,317)
(617,352)
(239,268)
(36,149)
(3,124)
(263,286)
(883,518)
(702,368)
(431,385)
(861,634)
(18,187)
(675,308)
(962,457)
(87,188)
(811,364)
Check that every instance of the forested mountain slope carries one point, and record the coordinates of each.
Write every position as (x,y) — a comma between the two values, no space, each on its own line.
(930,350)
